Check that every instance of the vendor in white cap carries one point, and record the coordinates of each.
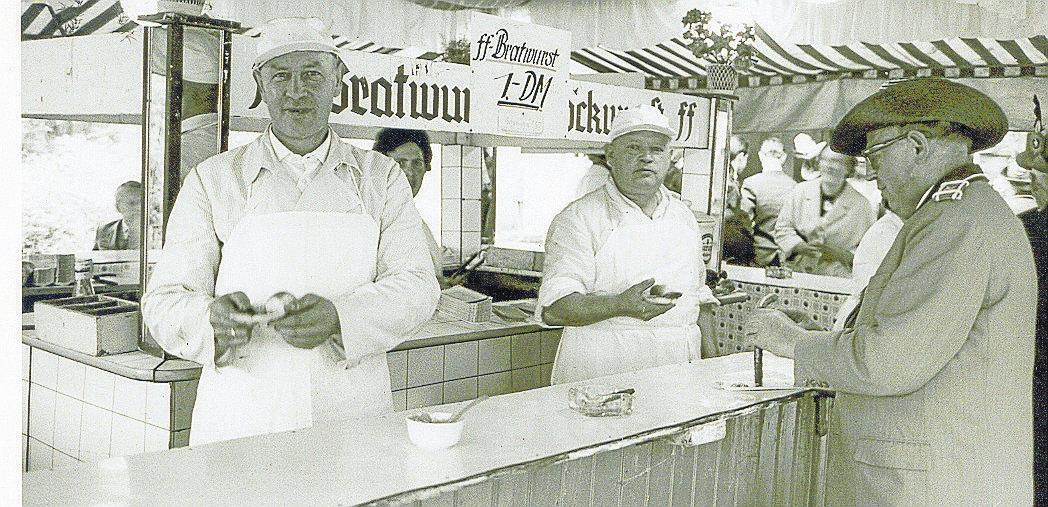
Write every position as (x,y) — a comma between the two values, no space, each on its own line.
(604,253)
(297,211)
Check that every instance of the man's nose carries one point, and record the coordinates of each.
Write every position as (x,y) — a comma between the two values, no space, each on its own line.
(296,88)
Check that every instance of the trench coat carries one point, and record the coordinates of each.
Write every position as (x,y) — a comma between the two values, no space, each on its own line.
(933,403)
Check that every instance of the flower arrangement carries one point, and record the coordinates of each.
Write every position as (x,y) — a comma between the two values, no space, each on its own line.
(718,42)
(457,51)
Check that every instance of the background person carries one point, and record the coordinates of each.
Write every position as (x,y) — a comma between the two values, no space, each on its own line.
(935,363)
(300,211)
(605,250)
(125,233)
(824,219)
(763,195)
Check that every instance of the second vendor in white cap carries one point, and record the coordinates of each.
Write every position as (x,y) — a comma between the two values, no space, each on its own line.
(607,251)
(301,214)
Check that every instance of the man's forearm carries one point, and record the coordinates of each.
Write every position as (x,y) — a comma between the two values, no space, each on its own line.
(581,309)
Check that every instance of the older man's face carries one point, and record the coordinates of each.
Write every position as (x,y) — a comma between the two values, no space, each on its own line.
(298,89)
(893,165)
(833,172)
(639,162)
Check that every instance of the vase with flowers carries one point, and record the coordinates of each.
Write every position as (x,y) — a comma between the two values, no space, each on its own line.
(726,48)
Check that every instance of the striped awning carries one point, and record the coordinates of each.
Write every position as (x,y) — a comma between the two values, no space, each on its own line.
(671,65)
(56,18)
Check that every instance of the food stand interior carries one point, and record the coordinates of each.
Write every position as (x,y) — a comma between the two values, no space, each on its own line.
(88,418)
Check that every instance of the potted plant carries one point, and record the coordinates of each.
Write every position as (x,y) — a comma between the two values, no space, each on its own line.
(725,47)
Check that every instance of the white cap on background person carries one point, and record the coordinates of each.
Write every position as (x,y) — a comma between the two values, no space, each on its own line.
(805,148)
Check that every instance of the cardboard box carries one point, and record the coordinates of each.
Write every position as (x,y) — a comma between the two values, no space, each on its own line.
(95,325)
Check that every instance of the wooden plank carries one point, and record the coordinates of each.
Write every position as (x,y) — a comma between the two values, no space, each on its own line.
(511,489)
(546,484)
(747,449)
(767,464)
(477,495)
(576,484)
(445,500)
(727,476)
(784,454)
(636,464)
(660,479)
(707,457)
(607,469)
(683,475)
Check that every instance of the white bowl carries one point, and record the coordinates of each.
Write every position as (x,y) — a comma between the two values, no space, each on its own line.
(434,435)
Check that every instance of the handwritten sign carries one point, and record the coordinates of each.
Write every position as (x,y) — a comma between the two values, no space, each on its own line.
(520,75)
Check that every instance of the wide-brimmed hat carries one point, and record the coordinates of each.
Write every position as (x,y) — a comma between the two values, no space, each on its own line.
(281,36)
(922,100)
(805,148)
(640,118)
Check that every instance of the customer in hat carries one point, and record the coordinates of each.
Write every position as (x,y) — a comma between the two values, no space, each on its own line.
(302,212)
(933,403)
(606,251)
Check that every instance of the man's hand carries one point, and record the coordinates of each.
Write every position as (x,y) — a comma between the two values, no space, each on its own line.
(803,320)
(632,303)
(771,330)
(310,321)
(804,248)
(836,253)
(230,317)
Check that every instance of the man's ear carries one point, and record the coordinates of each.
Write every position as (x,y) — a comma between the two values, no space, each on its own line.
(922,145)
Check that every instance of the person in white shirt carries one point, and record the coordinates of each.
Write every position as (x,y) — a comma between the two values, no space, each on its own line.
(302,212)
(604,253)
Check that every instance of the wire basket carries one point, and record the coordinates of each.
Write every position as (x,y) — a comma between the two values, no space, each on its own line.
(721,77)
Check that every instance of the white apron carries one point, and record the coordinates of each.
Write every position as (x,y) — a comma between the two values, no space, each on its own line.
(635,251)
(272,386)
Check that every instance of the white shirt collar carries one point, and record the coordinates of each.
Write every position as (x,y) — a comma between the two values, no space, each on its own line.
(623,203)
(282,152)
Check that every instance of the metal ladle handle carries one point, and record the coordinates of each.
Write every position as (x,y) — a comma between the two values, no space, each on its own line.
(758,353)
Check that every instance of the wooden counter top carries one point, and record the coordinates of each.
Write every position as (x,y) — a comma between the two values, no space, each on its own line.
(371,459)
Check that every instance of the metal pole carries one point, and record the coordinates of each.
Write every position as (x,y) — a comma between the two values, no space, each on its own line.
(173,130)
(225,74)
(143,243)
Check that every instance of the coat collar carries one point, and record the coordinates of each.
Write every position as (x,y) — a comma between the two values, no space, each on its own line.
(259,154)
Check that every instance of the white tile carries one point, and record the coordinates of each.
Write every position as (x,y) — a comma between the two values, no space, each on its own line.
(71,377)
(400,400)
(61,460)
(425,366)
(398,369)
(42,414)
(546,373)
(26,351)
(96,430)
(525,350)
(40,455)
(472,156)
(425,396)
(494,384)
(550,342)
(156,439)
(99,386)
(451,240)
(494,355)
(697,161)
(527,378)
(128,436)
(470,243)
(450,155)
(44,370)
(450,182)
(460,390)
(471,215)
(695,188)
(158,404)
(450,215)
(68,413)
(460,360)
(471,182)
(129,398)
(25,407)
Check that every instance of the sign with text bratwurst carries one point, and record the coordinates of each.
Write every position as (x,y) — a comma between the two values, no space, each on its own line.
(520,76)
(591,109)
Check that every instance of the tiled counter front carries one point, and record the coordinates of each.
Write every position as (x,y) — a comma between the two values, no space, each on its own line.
(74,412)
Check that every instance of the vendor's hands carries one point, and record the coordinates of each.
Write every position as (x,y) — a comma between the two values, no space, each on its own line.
(632,303)
(805,248)
(770,330)
(230,317)
(836,253)
(803,320)
(310,320)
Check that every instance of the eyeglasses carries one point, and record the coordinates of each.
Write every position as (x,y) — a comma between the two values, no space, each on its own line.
(881,145)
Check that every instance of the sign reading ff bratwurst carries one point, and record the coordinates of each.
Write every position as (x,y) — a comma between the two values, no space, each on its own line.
(519,75)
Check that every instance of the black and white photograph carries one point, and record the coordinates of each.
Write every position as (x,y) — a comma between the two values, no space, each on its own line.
(526,252)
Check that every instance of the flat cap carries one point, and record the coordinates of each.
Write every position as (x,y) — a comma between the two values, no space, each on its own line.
(922,100)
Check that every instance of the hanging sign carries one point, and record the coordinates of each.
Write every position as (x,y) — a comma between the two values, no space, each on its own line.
(592,107)
(520,76)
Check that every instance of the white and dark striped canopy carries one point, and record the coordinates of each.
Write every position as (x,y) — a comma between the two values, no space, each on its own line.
(671,65)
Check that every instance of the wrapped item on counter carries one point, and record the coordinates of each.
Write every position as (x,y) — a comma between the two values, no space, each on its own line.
(465,304)
(599,400)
